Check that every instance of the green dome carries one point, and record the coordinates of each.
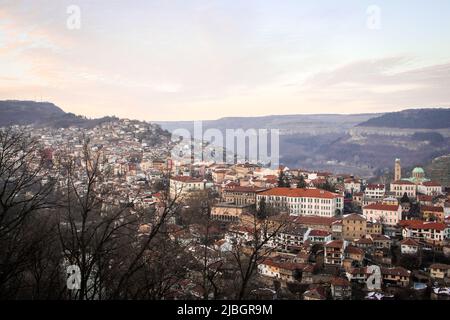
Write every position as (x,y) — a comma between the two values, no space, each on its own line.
(418,170)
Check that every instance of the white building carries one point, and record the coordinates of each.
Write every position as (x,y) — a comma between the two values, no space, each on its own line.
(352,185)
(375,191)
(302,201)
(409,246)
(400,187)
(181,186)
(387,214)
(431,232)
(430,188)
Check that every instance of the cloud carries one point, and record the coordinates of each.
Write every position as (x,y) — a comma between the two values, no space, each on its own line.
(383,83)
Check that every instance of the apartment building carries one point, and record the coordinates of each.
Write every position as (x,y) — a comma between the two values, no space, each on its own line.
(434,233)
(241,195)
(400,187)
(303,201)
(354,226)
(375,191)
(388,215)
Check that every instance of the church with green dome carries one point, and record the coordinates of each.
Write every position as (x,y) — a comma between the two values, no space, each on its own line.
(417,177)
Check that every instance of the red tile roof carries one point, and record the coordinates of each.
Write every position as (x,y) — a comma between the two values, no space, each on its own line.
(440,266)
(364,241)
(319,233)
(398,271)
(381,206)
(375,186)
(296,192)
(380,237)
(409,242)
(340,282)
(403,182)
(334,244)
(423,197)
(354,216)
(431,184)
(418,224)
(431,208)
(353,250)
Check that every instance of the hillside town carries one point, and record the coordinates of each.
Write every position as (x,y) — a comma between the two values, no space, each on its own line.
(310,235)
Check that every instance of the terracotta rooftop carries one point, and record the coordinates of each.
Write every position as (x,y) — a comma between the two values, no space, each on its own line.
(375,186)
(315,220)
(296,192)
(403,182)
(431,208)
(397,271)
(381,206)
(354,216)
(319,233)
(440,266)
(334,244)
(418,224)
(431,184)
(409,242)
(340,282)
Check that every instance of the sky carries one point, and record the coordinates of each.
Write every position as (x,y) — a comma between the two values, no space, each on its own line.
(207,59)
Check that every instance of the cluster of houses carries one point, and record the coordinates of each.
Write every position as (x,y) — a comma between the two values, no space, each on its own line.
(333,239)
(337,229)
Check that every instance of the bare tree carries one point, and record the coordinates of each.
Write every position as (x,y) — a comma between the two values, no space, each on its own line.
(25,186)
(247,255)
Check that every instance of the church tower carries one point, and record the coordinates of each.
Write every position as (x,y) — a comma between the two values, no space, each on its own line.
(398,170)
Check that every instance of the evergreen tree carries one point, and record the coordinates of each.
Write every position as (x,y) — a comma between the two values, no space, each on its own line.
(328,186)
(404,198)
(301,183)
(262,211)
(283,181)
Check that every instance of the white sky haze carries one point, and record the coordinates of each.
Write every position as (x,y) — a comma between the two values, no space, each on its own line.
(206,59)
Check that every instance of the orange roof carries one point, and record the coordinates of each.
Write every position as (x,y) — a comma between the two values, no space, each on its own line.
(353,250)
(364,241)
(354,216)
(375,186)
(431,208)
(334,244)
(319,233)
(340,282)
(418,224)
(381,206)
(397,271)
(403,182)
(379,237)
(296,192)
(409,242)
(431,184)
(423,197)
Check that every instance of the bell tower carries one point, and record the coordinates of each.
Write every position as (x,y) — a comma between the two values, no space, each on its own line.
(398,170)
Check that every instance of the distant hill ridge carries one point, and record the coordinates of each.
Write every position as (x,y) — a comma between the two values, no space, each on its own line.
(15,112)
(432,118)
